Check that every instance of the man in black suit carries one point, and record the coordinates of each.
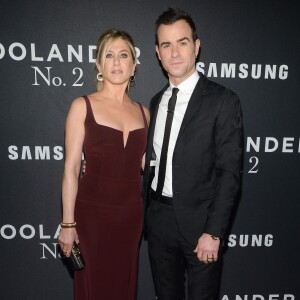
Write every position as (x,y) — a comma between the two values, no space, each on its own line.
(193,167)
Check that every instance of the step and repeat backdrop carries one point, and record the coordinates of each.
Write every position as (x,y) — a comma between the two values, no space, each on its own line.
(47,58)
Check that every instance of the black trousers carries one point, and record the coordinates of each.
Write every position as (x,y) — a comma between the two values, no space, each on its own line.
(171,257)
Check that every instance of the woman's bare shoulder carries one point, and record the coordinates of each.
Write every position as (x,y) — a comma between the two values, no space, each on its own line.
(79,101)
(147,113)
(78,107)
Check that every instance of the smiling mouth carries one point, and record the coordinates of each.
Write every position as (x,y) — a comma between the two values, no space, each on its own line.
(117,72)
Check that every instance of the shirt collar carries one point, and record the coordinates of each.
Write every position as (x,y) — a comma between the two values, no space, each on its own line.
(187,85)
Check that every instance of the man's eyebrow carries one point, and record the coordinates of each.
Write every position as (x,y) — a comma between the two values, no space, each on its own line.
(165,43)
(182,39)
(178,41)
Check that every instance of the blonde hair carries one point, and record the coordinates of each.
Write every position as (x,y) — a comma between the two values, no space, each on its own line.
(103,44)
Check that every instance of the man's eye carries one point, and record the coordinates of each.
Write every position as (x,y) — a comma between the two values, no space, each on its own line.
(166,45)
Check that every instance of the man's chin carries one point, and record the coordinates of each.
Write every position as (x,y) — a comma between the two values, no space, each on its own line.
(176,73)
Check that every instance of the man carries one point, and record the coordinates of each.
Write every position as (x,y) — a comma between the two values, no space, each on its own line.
(193,167)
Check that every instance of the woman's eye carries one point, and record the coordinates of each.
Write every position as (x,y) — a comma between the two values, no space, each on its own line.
(108,55)
(124,55)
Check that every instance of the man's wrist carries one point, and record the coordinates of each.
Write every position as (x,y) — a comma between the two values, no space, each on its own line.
(215,238)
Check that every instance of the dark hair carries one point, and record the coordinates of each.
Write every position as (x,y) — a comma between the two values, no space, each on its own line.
(172,15)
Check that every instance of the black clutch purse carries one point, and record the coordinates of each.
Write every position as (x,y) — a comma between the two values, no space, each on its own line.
(75,260)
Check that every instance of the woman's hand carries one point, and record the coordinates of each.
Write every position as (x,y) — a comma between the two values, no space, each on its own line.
(66,239)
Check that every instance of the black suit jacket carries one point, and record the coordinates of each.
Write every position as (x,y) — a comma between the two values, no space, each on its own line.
(207,160)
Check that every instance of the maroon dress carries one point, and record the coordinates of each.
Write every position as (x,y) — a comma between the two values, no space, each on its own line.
(109,211)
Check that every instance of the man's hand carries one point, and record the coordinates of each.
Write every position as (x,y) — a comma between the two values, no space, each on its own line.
(83,167)
(207,248)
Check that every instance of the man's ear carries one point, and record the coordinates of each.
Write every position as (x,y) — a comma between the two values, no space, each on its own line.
(157,51)
(197,47)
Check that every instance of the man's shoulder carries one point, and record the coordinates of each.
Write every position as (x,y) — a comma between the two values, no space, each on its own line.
(213,87)
(157,96)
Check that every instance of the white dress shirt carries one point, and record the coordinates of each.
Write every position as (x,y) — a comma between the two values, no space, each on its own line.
(186,89)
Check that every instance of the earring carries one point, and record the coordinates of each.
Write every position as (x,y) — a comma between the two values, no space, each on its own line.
(99,77)
(132,80)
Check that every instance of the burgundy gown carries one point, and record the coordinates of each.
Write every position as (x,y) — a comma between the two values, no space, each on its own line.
(109,211)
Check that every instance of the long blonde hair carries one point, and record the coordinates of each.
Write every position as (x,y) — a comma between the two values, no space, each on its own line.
(103,44)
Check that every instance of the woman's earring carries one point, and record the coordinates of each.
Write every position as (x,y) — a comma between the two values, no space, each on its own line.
(132,80)
(99,77)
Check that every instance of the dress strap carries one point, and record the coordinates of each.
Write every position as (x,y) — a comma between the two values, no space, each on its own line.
(143,114)
(89,111)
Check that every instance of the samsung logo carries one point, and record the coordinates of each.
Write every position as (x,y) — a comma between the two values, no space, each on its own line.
(243,71)
(250,240)
(35,152)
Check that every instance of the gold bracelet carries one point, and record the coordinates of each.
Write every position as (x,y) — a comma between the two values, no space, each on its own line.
(68,225)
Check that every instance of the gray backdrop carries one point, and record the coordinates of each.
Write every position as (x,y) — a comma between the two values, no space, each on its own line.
(47,59)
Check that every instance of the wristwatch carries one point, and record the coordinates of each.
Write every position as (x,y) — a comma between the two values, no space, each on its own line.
(216,238)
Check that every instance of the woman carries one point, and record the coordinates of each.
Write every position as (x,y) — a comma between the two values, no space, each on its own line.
(104,212)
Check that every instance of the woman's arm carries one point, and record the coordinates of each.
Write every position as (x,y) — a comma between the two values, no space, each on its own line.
(74,136)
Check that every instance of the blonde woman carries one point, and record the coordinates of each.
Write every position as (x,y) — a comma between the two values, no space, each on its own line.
(103,212)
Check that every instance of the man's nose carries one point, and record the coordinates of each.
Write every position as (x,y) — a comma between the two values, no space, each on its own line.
(174,51)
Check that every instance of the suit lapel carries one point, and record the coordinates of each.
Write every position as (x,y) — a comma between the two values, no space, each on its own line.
(192,108)
(194,103)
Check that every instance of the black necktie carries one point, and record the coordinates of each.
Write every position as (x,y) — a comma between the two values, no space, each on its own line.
(165,144)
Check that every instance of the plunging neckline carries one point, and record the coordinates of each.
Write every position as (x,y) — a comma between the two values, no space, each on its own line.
(124,144)
(121,132)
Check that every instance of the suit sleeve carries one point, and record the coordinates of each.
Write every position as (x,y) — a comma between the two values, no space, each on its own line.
(146,174)
(228,163)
